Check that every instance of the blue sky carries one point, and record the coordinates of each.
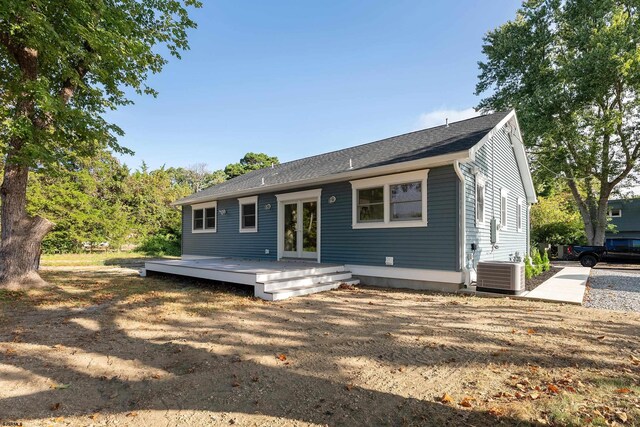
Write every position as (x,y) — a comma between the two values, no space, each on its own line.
(297,78)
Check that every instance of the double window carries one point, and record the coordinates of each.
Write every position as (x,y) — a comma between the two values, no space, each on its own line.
(248,214)
(204,218)
(390,201)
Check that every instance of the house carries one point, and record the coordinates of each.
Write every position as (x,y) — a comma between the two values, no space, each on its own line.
(625,215)
(418,210)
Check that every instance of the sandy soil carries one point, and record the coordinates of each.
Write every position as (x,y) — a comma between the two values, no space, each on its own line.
(106,347)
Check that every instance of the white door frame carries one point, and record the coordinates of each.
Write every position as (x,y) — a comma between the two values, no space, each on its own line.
(298,196)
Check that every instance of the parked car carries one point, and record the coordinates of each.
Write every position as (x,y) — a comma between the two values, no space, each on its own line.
(614,250)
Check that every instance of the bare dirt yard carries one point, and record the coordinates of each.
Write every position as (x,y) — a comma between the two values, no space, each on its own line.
(106,347)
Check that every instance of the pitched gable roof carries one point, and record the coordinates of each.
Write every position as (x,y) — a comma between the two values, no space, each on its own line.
(457,137)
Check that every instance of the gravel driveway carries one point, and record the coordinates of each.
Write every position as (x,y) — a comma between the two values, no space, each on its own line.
(614,289)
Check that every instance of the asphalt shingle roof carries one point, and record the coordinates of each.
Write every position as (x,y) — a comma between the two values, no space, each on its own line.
(435,141)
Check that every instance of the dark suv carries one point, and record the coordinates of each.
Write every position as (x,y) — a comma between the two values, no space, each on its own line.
(614,250)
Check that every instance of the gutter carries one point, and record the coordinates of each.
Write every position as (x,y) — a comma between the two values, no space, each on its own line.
(462,225)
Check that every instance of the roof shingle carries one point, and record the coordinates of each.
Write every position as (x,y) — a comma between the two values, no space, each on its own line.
(435,141)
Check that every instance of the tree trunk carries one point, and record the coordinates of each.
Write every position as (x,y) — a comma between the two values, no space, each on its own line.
(21,234)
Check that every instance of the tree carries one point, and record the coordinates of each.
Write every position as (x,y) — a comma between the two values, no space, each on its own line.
(555,219)
(62,66)
(250,162)
(572,71)
(197,176)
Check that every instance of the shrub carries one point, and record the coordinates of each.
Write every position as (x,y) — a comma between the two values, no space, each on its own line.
(160,245)
(537,261)
(546,264)
(528,268)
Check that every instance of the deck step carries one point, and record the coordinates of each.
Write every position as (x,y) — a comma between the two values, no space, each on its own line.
(304,271)
(274,285)
(295,291)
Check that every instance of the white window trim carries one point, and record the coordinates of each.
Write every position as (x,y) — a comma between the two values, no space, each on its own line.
(298,196)
(247,201)
(480,180)
(610,213)
(519,220)
(386,181)
(504,222)
(204,219)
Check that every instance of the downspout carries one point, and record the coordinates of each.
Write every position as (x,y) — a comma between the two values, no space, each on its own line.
(462,225)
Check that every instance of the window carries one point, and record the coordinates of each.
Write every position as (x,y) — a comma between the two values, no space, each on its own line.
(371,205)
(204,218)
(480,193)
(390,201)
(248,214)
(519,214)
(615,213)
(406,201)
(504,197)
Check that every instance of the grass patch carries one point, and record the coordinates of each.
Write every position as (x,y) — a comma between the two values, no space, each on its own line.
(121,259)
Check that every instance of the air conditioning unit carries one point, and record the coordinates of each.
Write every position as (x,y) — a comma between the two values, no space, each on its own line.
(503,277)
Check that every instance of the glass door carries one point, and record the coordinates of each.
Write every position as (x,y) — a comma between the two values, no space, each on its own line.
(300,229)
(290,247)
(309,229)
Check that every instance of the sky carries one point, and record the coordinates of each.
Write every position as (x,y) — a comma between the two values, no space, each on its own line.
(298,78)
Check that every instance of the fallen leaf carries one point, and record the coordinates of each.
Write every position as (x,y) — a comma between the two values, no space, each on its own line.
(55,406)
(634,360)
(282,357)
(622,416)
(496,411)
(534,395)
(59,386)
(519,395)
(601,337)
(349,387)
(553,388)
(132,414)
(571,389)
(623,390)
(531,331)
(466,402)
(235,384)
(446,398)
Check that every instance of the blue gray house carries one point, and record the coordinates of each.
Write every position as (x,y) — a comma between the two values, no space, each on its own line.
(625,215)
(418,210)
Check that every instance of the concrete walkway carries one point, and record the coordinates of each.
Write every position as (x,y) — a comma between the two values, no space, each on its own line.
(568,285)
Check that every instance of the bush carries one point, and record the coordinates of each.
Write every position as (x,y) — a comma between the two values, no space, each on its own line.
(528,268)
(537,261)
(160,245)
(546,264)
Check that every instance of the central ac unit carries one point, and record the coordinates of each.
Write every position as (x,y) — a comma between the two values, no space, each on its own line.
(504,277)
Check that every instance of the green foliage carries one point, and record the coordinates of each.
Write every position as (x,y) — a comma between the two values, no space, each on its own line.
(250,162)
(64,64)
(555,220)
(528,268)
(160,245)
(572,71)
(546,263)
(537,261)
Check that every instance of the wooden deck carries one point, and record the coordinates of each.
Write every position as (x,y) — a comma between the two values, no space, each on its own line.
(272,280)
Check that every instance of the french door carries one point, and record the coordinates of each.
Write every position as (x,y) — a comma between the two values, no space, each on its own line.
(299,229)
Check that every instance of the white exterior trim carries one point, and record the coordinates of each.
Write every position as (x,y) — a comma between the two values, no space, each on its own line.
(385,182)
(247,201)
(611,215)
(204,219)
(349,174)
(298,196)
(426,275)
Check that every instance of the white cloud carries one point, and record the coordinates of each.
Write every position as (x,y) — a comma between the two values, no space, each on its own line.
(437,117)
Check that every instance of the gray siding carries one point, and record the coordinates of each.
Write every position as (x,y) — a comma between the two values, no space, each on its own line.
(431,247)
(506,175)
(629,224)
(228,241)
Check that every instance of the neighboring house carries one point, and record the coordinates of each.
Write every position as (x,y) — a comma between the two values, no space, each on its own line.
(625,215)
(413,210)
